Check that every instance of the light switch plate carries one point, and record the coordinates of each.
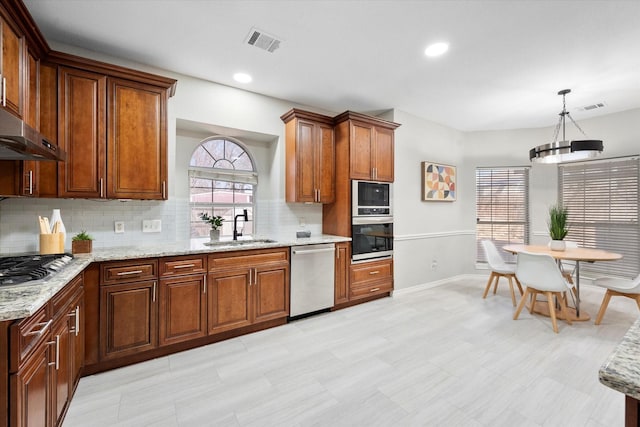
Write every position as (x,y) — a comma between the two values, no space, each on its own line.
(118,226)
(151,226)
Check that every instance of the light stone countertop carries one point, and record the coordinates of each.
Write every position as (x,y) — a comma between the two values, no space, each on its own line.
(621,371)
(19,301)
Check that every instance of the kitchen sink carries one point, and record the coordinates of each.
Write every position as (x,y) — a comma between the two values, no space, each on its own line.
(239,242)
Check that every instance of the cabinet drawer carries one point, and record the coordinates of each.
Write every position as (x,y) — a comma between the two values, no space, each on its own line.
(62,299)
(229,260)
(27,334)
(371,271)
(371,289)
(129,271)
(179,266)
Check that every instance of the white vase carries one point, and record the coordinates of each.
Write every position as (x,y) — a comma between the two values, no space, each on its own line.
(214,235)
(557,245)
(55,217)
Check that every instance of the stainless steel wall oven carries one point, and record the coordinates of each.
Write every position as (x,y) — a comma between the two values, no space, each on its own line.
(371,237)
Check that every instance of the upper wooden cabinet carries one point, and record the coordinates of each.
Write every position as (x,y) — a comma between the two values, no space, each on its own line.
(113,130)
(310,157)
(371,146)
(12,68)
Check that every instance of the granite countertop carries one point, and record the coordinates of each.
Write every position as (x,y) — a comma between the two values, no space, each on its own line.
(621,371)
(19,301)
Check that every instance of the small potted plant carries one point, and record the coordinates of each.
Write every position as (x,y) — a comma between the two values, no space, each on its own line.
(215,222)
(81,243)
(558,228)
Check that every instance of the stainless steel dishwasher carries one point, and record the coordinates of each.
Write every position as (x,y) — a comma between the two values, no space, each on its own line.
(312,277)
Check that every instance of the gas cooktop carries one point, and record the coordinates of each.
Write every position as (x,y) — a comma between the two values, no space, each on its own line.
(25,268)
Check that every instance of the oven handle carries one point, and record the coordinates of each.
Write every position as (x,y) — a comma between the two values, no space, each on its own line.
(364,220)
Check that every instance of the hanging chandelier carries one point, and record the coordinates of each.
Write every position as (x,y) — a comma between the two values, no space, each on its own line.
(565,151)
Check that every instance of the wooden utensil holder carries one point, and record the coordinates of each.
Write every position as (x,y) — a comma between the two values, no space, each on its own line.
(52,243)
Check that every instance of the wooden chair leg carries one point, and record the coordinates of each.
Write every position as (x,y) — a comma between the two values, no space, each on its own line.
(495,286)
(521,304)
(563,308)
(637,298)
(532,303)
(519,284)
(552,311)
(486,290)
(513,295)
(603,307)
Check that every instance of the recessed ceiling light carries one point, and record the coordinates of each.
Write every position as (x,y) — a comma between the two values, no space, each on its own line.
(436,49)
(242,78)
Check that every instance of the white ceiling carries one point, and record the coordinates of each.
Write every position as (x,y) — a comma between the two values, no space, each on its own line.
(507,59)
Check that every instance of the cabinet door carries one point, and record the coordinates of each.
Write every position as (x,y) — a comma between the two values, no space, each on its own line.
(76,315)
(12,69)
(305,159)
(183,309)
(229,300)
(128,319)
(81,133)
(48,112)
(271,293)
(30,403)
(361,154)
(383,166)
(137,141)
(343,255)
(61,368)
(325,164)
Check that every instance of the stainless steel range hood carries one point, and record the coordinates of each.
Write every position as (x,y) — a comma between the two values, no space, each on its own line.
(19,141)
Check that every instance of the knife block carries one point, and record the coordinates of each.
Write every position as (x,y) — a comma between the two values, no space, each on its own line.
(52,243)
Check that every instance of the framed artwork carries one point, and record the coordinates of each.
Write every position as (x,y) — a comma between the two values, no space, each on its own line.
(438,182)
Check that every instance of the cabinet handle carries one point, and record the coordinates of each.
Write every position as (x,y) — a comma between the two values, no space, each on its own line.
(126,273)
(77,320)
(318,195)
(154,292)
(204,285)
(4,91)
(31,182)
(250,276)
(57,343)
(184,266)
(101,188)
(45,326)
(374,289)
(374,272)
(164,192)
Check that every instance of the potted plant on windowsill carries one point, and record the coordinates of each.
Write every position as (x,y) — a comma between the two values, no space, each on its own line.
(81,243)
(558,228)
(215,222)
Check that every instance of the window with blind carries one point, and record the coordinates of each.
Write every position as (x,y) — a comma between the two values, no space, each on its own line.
(602,200)
(502,208)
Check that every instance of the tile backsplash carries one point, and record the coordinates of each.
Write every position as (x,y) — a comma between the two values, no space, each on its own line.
(19,220)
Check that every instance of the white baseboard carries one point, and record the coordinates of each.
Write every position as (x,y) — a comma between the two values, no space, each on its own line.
(429,285)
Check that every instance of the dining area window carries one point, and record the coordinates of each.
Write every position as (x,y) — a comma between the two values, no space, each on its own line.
(502,207)
(601,197)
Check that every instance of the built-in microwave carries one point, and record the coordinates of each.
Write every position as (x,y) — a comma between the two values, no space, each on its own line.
(371,198)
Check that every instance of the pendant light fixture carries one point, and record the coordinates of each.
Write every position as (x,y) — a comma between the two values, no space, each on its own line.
(565,151)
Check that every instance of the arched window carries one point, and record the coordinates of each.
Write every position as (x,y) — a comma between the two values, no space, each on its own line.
(222,181)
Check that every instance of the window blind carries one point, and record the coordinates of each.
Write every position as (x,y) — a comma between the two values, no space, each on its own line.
(502,208)
(602,200)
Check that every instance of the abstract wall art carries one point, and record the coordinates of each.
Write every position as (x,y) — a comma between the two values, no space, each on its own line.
(438,182)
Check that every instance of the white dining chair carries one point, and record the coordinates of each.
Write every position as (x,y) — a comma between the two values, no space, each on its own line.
(540,274)
(499,268)
(617,287)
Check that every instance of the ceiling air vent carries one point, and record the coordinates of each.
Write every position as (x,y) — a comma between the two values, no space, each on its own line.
(262,40)
(592,106)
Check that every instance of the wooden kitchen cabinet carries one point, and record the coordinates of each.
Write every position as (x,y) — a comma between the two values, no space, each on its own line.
(128,308)
(310,157)
(183,303)
(12,68)
(370,278)
(341,281)
(372,151)
(247,287)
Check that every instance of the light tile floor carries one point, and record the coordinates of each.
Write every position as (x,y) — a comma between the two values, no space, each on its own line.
(435,357)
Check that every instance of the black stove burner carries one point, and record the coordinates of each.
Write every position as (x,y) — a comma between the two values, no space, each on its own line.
(24,268)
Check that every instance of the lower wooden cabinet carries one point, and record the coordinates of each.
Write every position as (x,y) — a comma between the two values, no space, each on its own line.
(183,309)
(371,278)
(247,287)
(341,280)
(128,319)
(31,391)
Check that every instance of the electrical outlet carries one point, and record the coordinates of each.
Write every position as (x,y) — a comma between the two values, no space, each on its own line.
(151,226)
(118,226)
(434,264)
